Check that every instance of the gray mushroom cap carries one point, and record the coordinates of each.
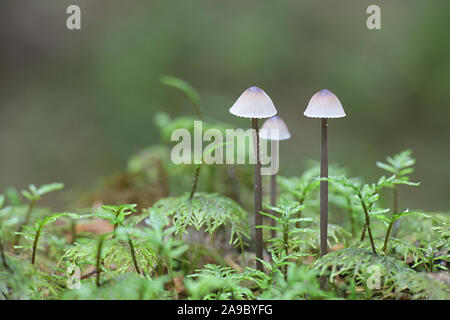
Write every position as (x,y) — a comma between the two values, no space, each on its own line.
(274,123)
(324,104)
(254,103)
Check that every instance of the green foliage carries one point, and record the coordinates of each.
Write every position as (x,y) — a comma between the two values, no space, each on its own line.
(359,264)
(116,214)
(186,88)
(122,287)
(300,187)
(34,193)
(33,233)
(289,236)
(400,166)
(300,283)
(207,211)
(148,254)
(217,283)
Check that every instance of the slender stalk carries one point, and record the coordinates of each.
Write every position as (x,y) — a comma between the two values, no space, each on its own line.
(351,217)
(324,190)
(73,231)
(258,196)
(386,239)
(35,244)
(299,215)
(133,255)
(99,258)
(2,253)
(395,209)
(363,234)
(367,225)
(195,182)
(393,225)
(273,200)
(25,222)
(116,225)
(285,245)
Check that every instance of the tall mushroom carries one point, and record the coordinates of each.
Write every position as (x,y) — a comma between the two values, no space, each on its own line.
(255,104)
(275,130)
(325,105)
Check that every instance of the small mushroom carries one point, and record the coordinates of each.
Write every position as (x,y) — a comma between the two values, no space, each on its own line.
(324,104)
(270,126)
(255,104)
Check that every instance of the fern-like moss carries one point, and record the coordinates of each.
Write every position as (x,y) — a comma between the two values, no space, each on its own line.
(207,211)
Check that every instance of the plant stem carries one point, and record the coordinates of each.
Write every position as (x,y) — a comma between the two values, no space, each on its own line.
(392,224)
(73,231)
(395,209)
(363,234)
(351,217)
(133,255)
(367,225)
(99,258)
(35,244)
(257,196)
(2,252)
(285,246)
(324,190)
(273,201)
(299,215)
(25,222)
(195,182)
(386,239)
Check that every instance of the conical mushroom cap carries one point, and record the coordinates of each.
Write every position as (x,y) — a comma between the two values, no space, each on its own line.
(324,104)
(253,103)
(274,123)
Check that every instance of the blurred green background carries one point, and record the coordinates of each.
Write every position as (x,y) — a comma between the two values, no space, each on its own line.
(74,105)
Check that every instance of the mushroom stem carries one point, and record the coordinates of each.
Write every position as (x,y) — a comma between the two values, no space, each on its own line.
(324,190)
(257,196)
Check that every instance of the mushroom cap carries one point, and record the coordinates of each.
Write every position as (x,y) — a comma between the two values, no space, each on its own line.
(274,123)
(253,103)
(324,104)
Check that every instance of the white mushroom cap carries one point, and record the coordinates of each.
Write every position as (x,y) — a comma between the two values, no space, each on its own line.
(324,104)
(274,123)
(253,103)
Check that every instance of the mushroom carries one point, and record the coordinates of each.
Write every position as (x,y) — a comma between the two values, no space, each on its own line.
(324,104)
(255,104)
(275,130)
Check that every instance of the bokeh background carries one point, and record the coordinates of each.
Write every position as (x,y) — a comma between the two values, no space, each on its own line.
(74,105)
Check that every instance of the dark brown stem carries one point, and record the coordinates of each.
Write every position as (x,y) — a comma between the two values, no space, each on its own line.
(73,231)
(258,196)
(386,239)
(324,191)
(273,200)
(195,182)
(35,244)
(366,213)
(363,234)
(133,255)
